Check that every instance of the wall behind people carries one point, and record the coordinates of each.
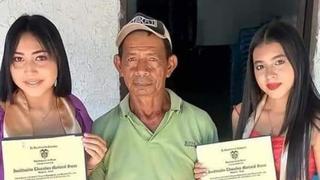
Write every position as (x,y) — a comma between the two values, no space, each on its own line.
(315,45)
(88,30)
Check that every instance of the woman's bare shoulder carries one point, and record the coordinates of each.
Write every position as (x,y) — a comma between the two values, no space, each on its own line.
(236,111)
(316,132)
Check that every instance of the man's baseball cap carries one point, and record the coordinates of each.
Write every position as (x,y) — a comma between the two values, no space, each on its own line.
(143,22)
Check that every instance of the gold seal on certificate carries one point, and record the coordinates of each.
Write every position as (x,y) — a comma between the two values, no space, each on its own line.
(245,159)
(60,158)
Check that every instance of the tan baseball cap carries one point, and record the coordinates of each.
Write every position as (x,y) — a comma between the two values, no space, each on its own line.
(143,22)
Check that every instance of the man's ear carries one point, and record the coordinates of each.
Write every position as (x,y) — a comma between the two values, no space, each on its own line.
(172,64)
(117,63)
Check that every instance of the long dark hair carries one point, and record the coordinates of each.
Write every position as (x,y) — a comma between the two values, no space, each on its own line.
(48,35)
(302,105)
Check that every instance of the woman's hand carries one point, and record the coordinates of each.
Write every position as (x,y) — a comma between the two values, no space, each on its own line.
(199,171)
(96,148)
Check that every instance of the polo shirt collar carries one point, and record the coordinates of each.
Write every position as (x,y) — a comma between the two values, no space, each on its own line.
(176,102)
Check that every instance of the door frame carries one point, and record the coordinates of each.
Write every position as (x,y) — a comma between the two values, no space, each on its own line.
(305,20)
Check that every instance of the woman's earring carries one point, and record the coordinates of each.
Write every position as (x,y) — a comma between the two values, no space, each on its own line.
(55,83)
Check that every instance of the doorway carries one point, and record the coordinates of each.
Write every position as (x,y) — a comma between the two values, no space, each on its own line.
(211,40)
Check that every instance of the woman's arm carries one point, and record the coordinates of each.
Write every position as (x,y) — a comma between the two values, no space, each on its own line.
(315,142)
(96,148)
(235,118)
(94,145)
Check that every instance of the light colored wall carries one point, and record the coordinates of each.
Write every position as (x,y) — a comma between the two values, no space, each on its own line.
(88,29)
(315,44)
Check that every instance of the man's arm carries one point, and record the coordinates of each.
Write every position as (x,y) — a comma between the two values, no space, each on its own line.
(210,130)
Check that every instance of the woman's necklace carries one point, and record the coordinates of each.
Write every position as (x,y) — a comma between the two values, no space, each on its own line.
(50,122)
(272,133)
(44,118)
(275,124)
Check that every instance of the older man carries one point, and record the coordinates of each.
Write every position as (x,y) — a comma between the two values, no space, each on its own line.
(152,133)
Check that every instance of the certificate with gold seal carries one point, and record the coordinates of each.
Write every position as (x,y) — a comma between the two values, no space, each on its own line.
(59,158)
(245,159)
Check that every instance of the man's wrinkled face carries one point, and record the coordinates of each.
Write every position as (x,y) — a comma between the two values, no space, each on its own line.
(144,64)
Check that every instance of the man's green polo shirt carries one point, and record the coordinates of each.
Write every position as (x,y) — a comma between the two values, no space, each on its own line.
(134,152)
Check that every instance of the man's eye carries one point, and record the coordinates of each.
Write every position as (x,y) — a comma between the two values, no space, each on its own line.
(152,59)
(131,59)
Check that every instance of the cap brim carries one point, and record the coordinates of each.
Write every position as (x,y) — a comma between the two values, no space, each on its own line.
(127,29)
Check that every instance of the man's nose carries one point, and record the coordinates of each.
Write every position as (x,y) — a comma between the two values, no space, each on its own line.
(142,67)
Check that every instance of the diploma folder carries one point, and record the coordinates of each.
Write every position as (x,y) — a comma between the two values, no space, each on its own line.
(244,159)
(42,158)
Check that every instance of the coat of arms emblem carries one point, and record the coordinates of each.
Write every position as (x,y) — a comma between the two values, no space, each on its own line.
(234,154)
(44,153)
